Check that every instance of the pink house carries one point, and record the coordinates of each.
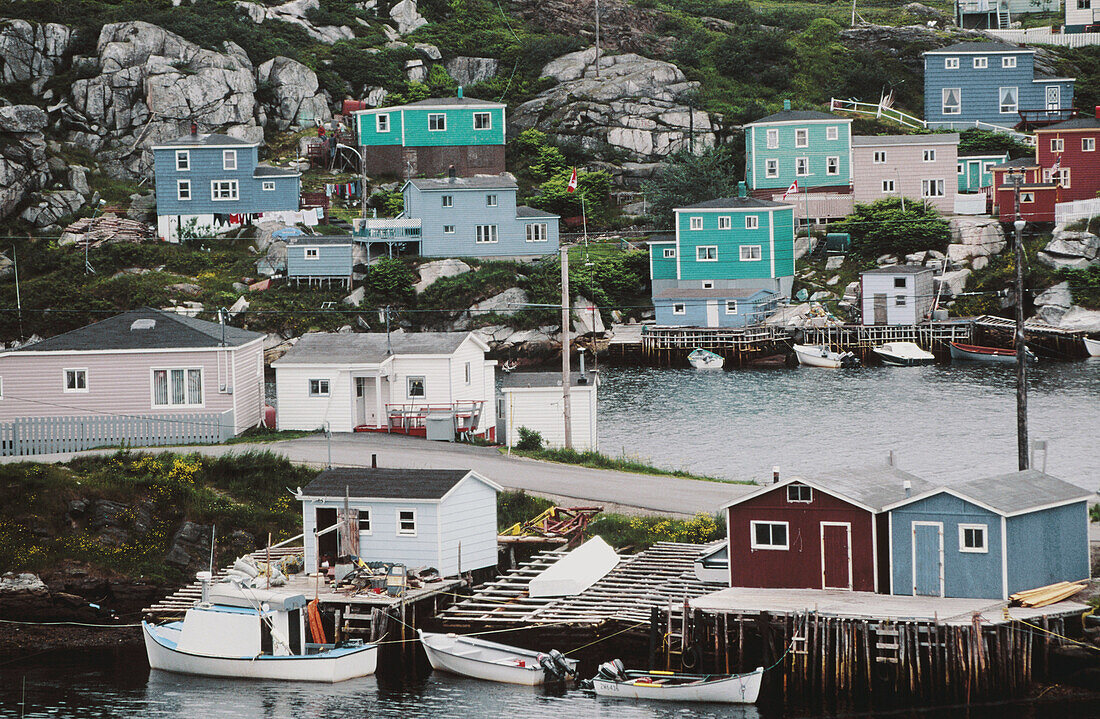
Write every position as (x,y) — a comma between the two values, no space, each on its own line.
(144,377)
(916,167)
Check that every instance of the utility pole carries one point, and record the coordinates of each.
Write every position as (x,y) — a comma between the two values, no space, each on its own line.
(363,179)
(597,38)
(1021,342)
(18,301)
(565,373)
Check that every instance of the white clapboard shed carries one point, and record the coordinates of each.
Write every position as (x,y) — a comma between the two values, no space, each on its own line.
(534,400)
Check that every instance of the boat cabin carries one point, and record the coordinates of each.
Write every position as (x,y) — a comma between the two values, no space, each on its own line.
(233,624)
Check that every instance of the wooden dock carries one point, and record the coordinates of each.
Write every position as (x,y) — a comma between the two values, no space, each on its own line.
(1043,339)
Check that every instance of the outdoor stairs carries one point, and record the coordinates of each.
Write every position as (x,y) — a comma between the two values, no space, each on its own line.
(1004,18)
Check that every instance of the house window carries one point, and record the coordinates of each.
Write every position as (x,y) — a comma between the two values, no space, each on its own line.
(725,222)
(951,63)
(802,137)
(959,168)
(771,168)
(364,521)
(183,160)
(406,522)
(467,373)
(800,493)
(832,165)
(880,157)
(929,155)
(731,307)
(312,253)
(448,200)
(483,121)
(708,284)
(268,186)
(696,223)
(1088,144)
(832,132)
(669,253)
(1057,144)
(952,101)
(900,283)
(706,253)
(223,190)
(318,388)
(76,380)
(802,166)
(679,308)
(536,232)
(229,159)
(382,122)
(750,253)
(485,234)
(987,168)
(888,186)
(773,139)
(980,63)
(183,190)
(931,188)
(1026,197)
(769,535)
(973,539)
(1010,100)
(177,387)
(1061,177)
(415,386)
(490,200)
(448,229)
(899,301)
(437,122)
(752,222)
(1010,60)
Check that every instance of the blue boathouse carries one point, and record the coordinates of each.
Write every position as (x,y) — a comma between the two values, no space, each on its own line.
(320,260)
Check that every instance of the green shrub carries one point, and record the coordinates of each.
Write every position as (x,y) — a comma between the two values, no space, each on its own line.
(529,440)
(513,507)
(637,533)
(884,228)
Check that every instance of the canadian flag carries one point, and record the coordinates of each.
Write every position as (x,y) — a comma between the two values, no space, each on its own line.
(572,186)
(793,188)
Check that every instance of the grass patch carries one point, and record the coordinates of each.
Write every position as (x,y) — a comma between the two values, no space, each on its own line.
(518,506)
(263,434)
(596,460)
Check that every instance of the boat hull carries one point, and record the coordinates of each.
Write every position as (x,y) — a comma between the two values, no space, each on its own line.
(703,359)
(814,356)
(1092,347)
(989,355)
(736,689)
(896,361)
(459,655)
(334,666)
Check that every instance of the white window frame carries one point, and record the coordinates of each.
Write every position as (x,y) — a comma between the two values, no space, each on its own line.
(752,222)
(900,283)
(987,168)
(981,62)
(899,301)
(705,250)
(78,372)
(752,250)
(168,386)
(959,168)
(491,200)
(447,200)
(1008,61)
(708,284)
(932,188)
(487,117)
(485,234)
(1026,196)
(402,532)
(183,190)
(879,158)
(888,187)
(832,165)
(448,229)
(311,253)
(669,253)
(217,187)
(802,167)
(1062,177)
(776,547)
(951,63)
(1012,109)
(772,136)
(537,232)
(725,222)
(832,132)
(946,109)
(229,160)
(800,487)
(1084,4)
(382,122)
(184,155)
(1088,144)
(267,186)
(364,516)
(323,387)
(1057,144)
(695,223)
(771,167)
(984,548)
(409,386)
(679,308)
(802,137)
(439,119)
(731,307)
(929,155)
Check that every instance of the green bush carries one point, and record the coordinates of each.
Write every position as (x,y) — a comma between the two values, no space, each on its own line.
(884,228)
(1084,285)
(529,440)
(389,282)
(638,533)
(513,507)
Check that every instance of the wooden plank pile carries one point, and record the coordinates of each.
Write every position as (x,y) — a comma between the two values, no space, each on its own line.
(106,228)
(1050,594)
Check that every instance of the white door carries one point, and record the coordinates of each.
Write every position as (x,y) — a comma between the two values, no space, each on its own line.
(1054,97)
(366,407)
(712,313)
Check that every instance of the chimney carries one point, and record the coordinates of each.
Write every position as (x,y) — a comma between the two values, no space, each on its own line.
(892,459)
(908,487)
(742,189)
(775,474)
(460,92)
(786,104)
(583,379)
(1098,112)
(194,128)
(451,173)
(374,461)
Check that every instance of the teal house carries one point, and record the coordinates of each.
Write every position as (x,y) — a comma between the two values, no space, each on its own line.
(429,137)
(809,147)
(989,538)
(976,170)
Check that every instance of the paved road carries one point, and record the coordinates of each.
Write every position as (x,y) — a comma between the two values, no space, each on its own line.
(614,490)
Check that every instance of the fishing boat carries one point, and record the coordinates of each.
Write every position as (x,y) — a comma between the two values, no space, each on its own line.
(820,356)
(705,359)
(242,633)
(903,354)
(1092,347)
(480,659)
(612,681)
(993,355)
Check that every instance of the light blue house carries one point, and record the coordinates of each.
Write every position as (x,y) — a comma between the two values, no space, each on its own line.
(442,518)
(729,307)
(975,170)
(990,538)
(210,183)
(809,147)
(465,217)
(991,82)
(320,260)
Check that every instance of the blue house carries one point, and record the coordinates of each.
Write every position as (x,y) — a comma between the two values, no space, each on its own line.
(728,307)
(465,217)
(991,82)
(442,518)
(207,184)
(989,538)
(320,260)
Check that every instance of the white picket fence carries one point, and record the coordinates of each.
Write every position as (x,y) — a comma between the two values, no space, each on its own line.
(813,206)
(1066,212)
(1047,36)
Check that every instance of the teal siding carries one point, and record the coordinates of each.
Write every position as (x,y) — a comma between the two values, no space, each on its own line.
(729,264)
(973,176)
(368,127)
(468,521)
(817,152)
(331,261)
(1048,546)
(661,267)
(409,127)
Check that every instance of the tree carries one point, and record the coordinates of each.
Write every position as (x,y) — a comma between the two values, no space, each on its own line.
(975,141)
(686,179)
(884,228)
(554,196)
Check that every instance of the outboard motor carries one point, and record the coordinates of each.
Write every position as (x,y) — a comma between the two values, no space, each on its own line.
(561,664)
(550,668)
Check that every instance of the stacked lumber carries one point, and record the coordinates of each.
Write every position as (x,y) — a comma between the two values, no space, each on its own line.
(1050,594)
(106,228)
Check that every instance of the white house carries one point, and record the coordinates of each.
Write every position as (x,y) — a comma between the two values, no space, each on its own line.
(534,400)
(897,295)
(442,518)
(379,382)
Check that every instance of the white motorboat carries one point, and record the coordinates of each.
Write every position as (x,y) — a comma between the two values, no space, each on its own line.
(820,356)
(903,354)
(612,681)
(480,659)
(705,359)
(240,633)
(1092,347)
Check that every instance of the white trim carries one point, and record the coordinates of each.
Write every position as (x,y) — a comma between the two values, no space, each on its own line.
(695,223)
(832,157)
(725,222)
(370,522)
(403,108)
(959,495)
(805,137)
(186,155)
(201,146)
(179,190)
(482,112)
(794,478)
(436,129)
(799,486)
(65,380)
(773,547)
(267,186)
(848,525)
(669,253)
(318,393)
(682,306)
(913,546)
(752,222)
(226,155)
(768,170)
(315,250)
(398,531)
(474,475)
(984,549)
(951,63)
(1004,555)
(378,123)
(234,186)
(741,254)
(733,313)
(706,247)
(832,130)
(771,238)
(810,121)
(802,174)
(85,353)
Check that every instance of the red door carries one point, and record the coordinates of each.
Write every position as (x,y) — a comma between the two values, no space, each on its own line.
(836,555)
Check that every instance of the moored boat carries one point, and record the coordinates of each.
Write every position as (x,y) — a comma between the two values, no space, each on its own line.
(820,356)
(613,681)
(993,355)
(903,354)
(480,659)
(705,359)
(1092,347)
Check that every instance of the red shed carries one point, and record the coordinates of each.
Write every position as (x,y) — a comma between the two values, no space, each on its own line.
(1037,197)
(828,532)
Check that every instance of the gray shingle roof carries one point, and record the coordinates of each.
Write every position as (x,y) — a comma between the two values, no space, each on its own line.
(525,211)
(308,240)
(1076,123)
(270,171)
(368,348)
(964,47)
(384,483)
(897,270)
(732,203)
(170,331)
(543,379)
(457,101)
(1019,162)
(796,115)
(716,292)
(202,140)
(944,138)
(874,487)
(504,181)
(1018,492)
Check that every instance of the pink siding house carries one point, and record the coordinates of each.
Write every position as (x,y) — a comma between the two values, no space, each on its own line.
(144,377)
(916,167)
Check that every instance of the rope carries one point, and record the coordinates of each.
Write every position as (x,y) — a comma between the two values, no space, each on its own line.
(783,655)
(633,626)
(70,624)
(1053,634)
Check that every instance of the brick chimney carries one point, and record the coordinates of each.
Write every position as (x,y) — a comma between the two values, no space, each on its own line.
(1097,112)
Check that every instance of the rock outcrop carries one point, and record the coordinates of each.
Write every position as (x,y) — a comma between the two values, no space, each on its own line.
(47,208)
(23,166)
(32,53)
(471,70)
(295,93)
(1052,304)
(974,240)
(405,15)
(635,107)
(296,12)
(431,271)
(625,27)
(1071,248)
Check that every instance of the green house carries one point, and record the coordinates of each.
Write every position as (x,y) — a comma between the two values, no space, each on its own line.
(976,171)
(809,147)
(430,137)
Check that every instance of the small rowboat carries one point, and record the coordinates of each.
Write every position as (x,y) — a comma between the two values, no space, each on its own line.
(903,354)
(1092,347)
(820,356)
(705,359)
(669,686)
(477,658)
(993,355)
